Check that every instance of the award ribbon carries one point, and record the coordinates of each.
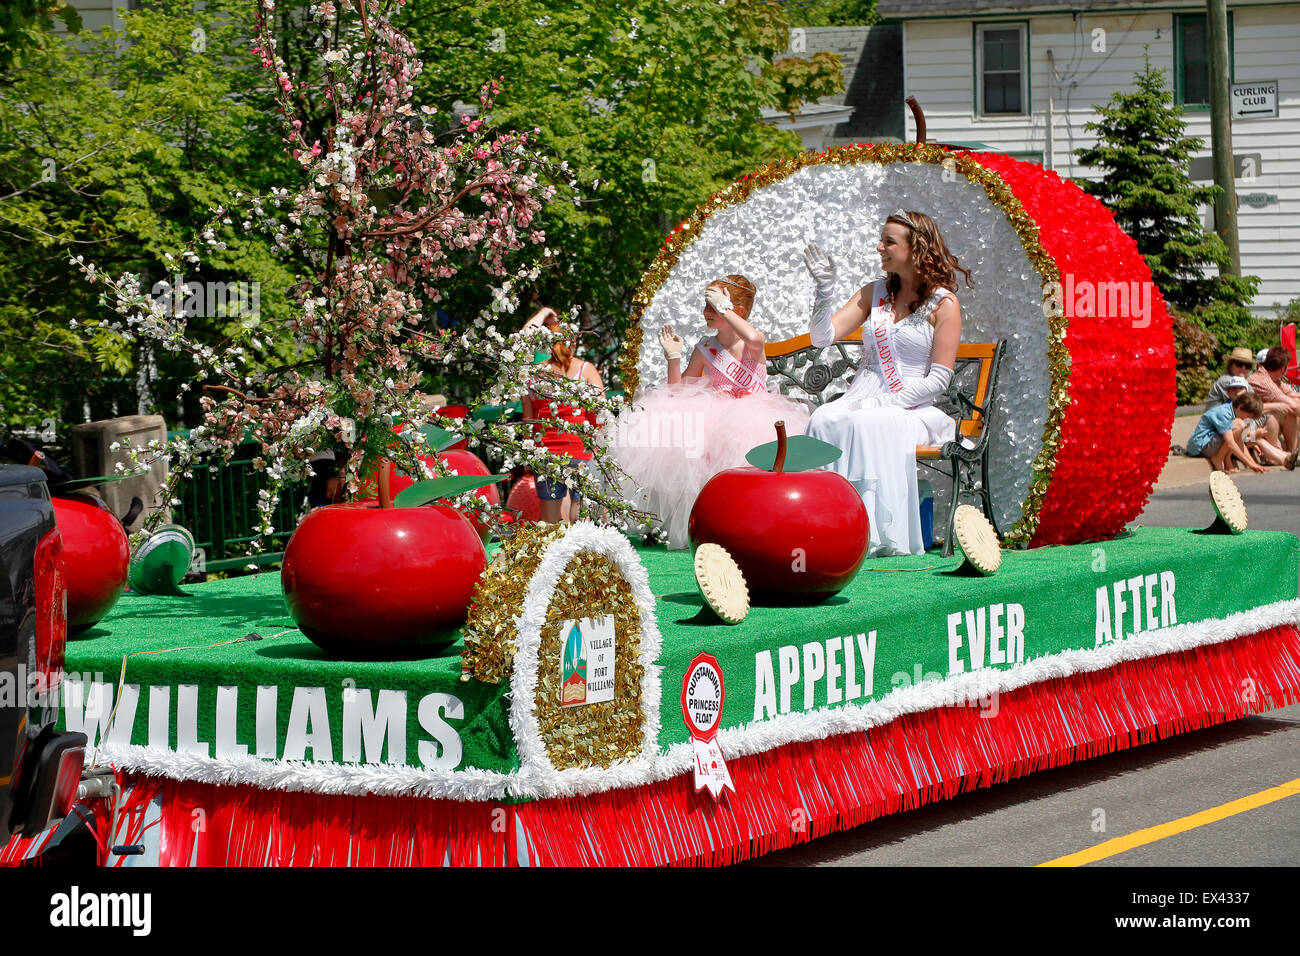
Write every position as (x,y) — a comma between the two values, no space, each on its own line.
(703,694)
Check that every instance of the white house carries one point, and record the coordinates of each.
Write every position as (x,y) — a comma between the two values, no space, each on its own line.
(97,14)
(1023,78)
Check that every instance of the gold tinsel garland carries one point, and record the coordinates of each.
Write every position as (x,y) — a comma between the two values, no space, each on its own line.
(490,635)
(1058,359)
(590,586)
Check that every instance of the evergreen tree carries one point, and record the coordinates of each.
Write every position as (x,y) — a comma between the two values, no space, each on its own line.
(1145,153)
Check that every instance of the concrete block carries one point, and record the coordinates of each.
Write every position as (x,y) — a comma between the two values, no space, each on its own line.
(92,454)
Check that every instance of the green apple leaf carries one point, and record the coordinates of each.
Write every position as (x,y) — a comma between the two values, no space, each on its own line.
(88,482)
(801,454)
(494,413)
(432,489)
(438,438)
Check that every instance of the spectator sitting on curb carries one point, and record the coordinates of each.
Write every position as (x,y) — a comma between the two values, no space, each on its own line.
(1240,364)
(1279,398)
(1224,431)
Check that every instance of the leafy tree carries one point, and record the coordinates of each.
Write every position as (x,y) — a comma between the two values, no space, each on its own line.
(383,215)
(21,19)
(655,106)
(831,13)
(1144,153)
(115,148)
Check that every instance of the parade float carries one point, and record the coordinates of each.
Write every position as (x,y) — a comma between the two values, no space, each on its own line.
(592,708)
(564,724)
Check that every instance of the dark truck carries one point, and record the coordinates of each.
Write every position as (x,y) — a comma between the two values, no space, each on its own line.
(40,767)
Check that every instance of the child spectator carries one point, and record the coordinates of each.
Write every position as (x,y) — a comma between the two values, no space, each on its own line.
(1229,387)
(1224,431)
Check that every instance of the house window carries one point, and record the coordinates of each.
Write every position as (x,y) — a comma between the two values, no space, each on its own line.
(1192,59)
(1001,55)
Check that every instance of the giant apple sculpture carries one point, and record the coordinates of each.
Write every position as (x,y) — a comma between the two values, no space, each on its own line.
(370,580)
(1087,332)
(794,533)
(96,556)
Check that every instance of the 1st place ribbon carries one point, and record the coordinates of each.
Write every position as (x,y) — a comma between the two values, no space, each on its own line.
(703,695)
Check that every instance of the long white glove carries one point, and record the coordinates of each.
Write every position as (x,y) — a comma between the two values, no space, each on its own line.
(918,391)
(822,268)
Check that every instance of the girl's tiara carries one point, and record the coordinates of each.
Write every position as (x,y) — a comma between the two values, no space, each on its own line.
(899,214)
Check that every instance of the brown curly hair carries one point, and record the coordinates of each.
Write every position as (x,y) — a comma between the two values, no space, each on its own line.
(741,292)
(935,265)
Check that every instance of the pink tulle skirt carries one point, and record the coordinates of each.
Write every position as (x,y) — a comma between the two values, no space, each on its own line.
(674,438)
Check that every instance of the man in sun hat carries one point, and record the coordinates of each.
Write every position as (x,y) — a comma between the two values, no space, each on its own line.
(1240,364)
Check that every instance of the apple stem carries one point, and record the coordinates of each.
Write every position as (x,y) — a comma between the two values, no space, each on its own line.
(385,491)
(779,464)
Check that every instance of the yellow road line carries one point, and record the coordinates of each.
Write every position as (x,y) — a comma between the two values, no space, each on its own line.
(1151,834)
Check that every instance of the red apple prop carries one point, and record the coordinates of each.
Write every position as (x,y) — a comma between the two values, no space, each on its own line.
(96,556)
(456,459)
(370,582)
(794,534)
(523,498)
(462,463)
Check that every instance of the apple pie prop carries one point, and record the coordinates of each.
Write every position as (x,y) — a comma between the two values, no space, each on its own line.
(977,540)
(721,583)
(1229,509)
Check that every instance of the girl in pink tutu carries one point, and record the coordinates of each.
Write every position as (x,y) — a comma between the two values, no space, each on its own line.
(675,437)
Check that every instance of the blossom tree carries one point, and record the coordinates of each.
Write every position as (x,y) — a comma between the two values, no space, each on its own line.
(394,201)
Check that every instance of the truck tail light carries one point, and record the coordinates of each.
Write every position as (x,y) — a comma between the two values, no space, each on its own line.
(55,774)
(51,611)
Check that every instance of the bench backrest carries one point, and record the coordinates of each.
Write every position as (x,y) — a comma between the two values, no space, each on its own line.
(820,374)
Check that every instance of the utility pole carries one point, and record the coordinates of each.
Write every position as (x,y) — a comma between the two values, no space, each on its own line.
(1225,204)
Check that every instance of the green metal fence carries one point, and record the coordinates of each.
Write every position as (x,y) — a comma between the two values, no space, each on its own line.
(219,507)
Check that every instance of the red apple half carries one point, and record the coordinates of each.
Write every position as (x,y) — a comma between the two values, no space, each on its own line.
(1052,273)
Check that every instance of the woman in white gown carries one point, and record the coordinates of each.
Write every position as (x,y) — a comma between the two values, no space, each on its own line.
(911,326)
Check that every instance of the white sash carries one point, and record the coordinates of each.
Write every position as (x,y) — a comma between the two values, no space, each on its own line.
(730,368)
(882,334)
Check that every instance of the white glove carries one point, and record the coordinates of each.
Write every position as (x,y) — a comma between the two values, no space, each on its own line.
(718,300)
(822,268)
(671,342)
(919,391)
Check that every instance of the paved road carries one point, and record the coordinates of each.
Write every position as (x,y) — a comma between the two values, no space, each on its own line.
(1049,815)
